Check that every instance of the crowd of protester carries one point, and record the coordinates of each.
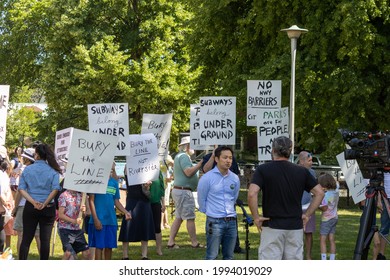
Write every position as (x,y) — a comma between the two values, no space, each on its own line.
(33,201)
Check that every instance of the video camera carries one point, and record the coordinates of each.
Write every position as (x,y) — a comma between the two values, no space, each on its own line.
(371,151)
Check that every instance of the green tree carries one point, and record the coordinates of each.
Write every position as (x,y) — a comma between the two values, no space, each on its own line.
(342,64)
(22,124)
(88,52)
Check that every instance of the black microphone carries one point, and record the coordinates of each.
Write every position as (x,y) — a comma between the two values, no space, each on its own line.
(248,218)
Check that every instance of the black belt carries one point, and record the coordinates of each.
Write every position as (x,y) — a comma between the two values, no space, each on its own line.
(182,188)
(226,219)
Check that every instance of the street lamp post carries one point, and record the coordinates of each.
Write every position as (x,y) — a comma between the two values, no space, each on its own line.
(293,33)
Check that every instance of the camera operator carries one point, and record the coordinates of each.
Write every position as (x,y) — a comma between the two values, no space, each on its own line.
(385,219)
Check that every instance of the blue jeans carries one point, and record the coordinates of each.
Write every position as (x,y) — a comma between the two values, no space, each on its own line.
(220,232)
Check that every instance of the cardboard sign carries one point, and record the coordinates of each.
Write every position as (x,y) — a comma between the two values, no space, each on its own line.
(218,121)
(160,126)
(272,123)
(4,97)
(262,94)
(111,119)
(353,177)
(62,143)
(91,156)
(143,164)
(195,120)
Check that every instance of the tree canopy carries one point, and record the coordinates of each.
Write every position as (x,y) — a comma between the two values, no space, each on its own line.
(88,52)
(162,55)
(342,64)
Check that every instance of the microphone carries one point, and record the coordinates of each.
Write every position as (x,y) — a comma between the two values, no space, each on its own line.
(248,218)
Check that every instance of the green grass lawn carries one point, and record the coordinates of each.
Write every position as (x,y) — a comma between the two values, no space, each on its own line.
(346,235)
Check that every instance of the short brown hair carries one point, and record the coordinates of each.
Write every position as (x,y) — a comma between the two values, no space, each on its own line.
(327,181)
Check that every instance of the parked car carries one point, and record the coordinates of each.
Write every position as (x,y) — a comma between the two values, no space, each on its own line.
(334,170)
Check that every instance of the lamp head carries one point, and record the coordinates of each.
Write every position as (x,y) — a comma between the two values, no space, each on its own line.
(294,31)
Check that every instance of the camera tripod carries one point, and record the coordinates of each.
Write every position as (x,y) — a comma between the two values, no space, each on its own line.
(374,194)
(248,222)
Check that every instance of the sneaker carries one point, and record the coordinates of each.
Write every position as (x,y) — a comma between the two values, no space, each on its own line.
(380,257)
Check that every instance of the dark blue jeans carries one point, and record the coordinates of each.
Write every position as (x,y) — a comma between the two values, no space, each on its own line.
(31,218)
(220,232)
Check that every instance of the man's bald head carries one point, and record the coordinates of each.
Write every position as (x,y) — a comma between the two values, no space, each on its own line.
(305,159)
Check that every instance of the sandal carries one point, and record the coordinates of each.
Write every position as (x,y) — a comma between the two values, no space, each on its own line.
(197,246)
(173,246)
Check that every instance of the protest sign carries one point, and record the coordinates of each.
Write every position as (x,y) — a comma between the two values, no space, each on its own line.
(262,94)
(272,123)
(353,177)
(218,122)
(143,164)
(160,125)
(4,97)
(195,120)
(111,119)
(91,156)
(62,143)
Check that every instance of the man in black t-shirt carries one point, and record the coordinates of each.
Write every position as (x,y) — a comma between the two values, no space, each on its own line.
(282,184)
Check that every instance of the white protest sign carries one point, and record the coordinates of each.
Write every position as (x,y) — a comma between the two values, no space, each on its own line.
(218,121)
(195,120)
(353,177)
(143,164)
(272,123)
(111,119)
(90,161)
(62,143)
(160,126)
(4,97)
(262,95)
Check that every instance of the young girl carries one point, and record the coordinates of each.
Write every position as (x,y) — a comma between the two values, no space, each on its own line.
(329,216)
(72,236)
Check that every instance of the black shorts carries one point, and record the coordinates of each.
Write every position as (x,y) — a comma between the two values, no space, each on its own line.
(73,240)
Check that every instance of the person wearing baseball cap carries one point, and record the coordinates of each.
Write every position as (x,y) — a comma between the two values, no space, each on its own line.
(186,180)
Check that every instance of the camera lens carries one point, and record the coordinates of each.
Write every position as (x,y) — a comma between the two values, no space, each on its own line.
(352,154)
(355,142)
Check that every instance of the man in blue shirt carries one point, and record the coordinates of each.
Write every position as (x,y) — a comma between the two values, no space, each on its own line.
(306,160)
(208,164)
(217,193)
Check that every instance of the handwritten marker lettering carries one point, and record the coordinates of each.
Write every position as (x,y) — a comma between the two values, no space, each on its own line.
(93,146)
